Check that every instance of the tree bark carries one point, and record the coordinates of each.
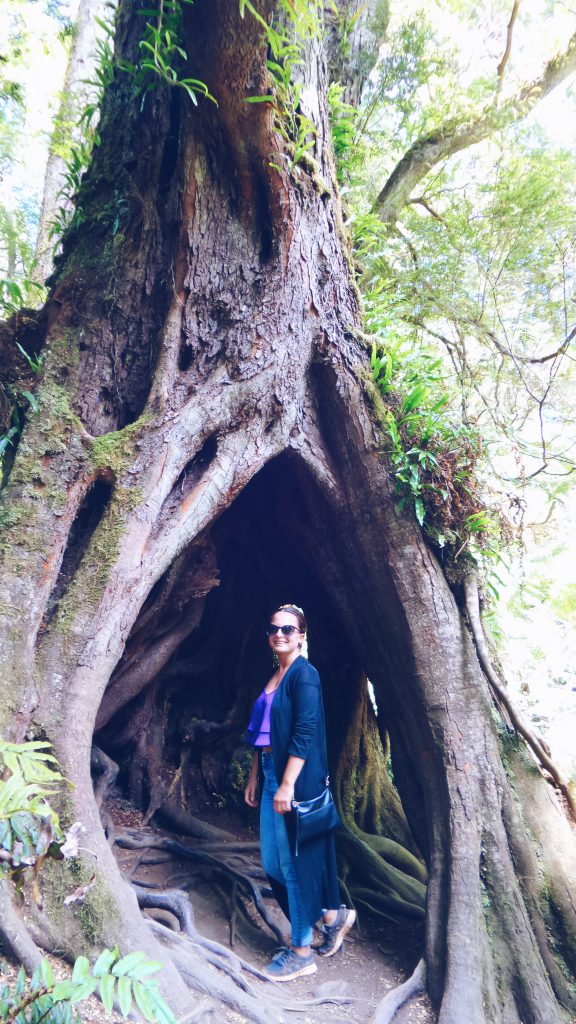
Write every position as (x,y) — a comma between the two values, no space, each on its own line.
(206,374)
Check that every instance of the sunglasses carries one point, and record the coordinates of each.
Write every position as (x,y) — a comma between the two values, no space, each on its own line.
(285,630)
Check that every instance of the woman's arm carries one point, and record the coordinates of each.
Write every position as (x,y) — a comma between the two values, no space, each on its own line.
(252,784)
(285,792)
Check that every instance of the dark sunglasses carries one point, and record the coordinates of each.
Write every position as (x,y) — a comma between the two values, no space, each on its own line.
(285,630)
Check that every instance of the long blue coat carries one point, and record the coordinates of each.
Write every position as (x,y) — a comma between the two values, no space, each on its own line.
(297,727)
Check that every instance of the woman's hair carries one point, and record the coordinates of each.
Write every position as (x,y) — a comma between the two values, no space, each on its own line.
(302,625)
(296,612)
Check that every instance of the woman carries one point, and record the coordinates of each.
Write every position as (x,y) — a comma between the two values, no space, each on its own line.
(288,735)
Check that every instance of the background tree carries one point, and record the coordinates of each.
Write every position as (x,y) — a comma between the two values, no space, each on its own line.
(210,441)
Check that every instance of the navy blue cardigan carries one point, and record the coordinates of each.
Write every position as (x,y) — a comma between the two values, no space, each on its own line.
(297,728)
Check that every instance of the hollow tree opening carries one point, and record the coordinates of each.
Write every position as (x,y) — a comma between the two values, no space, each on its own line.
(87,519)
(178,740)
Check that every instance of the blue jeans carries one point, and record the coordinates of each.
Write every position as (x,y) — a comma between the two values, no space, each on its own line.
(277,858)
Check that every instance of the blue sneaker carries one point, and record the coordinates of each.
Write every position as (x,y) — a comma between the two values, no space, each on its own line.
(334,933)
(287,965)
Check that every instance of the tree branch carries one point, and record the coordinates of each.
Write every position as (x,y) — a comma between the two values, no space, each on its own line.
(508,50)
(475,620)
(456,135)
(526,359)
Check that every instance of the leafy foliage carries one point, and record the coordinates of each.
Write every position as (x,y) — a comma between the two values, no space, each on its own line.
(434,459)
(469,287)
(163,57)
(125,981)
(30,832)
(343,126)
(29,826)
(17,402)
(287,42)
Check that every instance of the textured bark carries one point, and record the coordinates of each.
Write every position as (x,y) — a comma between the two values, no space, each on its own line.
(206,383)
(354,33)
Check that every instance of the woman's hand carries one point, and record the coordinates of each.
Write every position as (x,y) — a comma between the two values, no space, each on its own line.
(250,793)
(283,798)
(251,788)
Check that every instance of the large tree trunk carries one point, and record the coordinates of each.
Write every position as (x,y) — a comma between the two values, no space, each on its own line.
(206,403)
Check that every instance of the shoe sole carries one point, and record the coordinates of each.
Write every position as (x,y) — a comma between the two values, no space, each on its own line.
(309,969)
(348,924)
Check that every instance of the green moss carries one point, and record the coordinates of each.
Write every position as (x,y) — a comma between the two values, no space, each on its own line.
(94,916)
(99,559)
(114,450)
(97,911)
(55,409)
(12,516)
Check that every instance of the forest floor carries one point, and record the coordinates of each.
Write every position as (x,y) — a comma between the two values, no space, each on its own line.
(346,988)
(373,959)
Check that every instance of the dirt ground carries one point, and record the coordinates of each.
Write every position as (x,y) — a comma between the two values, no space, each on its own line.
(372,961)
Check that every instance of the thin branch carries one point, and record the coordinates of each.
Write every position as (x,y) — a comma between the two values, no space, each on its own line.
(497,687)
(526,359)
(420,201)
(508,50)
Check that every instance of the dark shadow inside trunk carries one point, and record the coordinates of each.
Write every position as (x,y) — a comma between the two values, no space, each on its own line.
(88,518)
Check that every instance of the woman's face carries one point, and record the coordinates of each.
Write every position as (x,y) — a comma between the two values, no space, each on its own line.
(278,641)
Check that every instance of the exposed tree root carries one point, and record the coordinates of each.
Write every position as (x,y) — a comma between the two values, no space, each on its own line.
(542,755)
(389,1006)
(219,865)
(201,1012)
(180,820)
(14,937)
(104,773)
(232,990)
(404,895)
(173,900)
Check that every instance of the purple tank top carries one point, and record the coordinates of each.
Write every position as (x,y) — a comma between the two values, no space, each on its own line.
(263,737)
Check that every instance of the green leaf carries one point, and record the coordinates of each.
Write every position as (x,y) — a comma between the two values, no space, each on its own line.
(107,987)
(105,961)
(127,964)
(144,969)
(144,1000)
(47,973)
(125,995)
(81,969)
(21,982)
(259,99)
(83,990)
(33,403)
(36,982)
(63,989)
(420,513)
